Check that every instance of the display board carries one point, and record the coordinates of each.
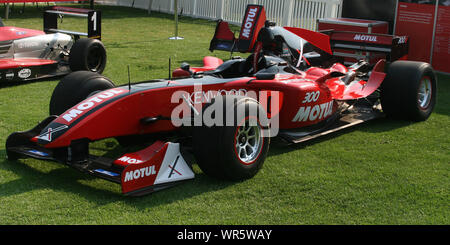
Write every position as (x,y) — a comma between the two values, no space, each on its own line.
(441,48)
(427,23)
(416,19)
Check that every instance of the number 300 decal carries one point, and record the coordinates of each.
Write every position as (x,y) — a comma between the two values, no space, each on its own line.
(311,96)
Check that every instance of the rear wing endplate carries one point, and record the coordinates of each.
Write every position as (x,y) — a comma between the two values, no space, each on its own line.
(393,47)
(224,38)
(93,21)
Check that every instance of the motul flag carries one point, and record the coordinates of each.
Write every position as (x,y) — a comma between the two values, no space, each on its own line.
(253,21)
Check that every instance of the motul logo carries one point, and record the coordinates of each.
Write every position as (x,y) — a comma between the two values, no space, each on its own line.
(139,173)
(315,112)
(359,37)
(130,160)
(91,102)
(249,22)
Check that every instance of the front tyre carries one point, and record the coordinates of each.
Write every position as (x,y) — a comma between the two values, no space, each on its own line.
(235,152)
(409,90)
(87,54)
(74,88)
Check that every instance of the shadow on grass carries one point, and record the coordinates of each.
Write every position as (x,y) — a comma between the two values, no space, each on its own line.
(18,83)
(66,179)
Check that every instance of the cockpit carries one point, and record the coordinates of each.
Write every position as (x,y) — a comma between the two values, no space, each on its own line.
(277,50)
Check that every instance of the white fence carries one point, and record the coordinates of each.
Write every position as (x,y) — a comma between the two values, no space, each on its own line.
(297,13)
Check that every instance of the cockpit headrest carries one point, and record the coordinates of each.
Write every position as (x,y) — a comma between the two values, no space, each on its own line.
(266,37)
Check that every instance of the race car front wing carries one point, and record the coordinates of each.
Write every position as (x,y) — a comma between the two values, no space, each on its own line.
(158,166)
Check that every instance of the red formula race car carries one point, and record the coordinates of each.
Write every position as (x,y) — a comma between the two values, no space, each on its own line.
(27,54)
(225,113)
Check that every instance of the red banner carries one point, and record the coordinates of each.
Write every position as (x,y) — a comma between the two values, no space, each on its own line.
(441,48)
(36,1)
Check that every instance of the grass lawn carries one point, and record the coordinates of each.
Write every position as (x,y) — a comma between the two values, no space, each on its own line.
(382,172)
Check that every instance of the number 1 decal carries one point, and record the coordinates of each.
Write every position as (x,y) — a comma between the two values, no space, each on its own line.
(94,19)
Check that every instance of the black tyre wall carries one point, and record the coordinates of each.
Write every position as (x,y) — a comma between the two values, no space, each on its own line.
(214,146)
(399,90)
(85,50)
(76,87)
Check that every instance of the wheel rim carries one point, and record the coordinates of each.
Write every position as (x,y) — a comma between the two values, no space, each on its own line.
(95,59)
(424,94)
(248,142)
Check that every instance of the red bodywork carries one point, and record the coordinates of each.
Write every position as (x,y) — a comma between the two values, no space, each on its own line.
(23,62)
(8,33)
(12,33)
(305,99)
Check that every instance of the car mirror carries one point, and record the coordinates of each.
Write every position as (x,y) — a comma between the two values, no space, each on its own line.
(265,76)
(185,66)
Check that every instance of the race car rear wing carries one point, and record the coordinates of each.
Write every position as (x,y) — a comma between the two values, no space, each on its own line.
(371,47)
(93,21)
(392,47)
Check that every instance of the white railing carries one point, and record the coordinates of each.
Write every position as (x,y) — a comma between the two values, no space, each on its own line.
(297,13)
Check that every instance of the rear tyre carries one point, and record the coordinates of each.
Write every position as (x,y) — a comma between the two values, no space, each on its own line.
(409,90)
(76,87)
(87,54)
(233,152)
